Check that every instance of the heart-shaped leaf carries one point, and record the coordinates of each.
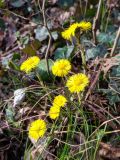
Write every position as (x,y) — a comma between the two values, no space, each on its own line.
(63,53)
(42,70)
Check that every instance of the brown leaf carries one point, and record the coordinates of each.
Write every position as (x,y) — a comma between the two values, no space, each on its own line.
(2,35)
(63,15)
(40,149)
(78,139)
(113,3)
(108,151)
(109,63)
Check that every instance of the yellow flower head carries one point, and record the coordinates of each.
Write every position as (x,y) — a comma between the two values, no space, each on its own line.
(70,32)
(54,112)
(37,129)
(61,68)
(29,64)
(85,25)
(59,101)
(77,82)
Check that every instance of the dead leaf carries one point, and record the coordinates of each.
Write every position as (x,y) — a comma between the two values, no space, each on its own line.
(2,35)
(63,15)
(108,151)
(113,3)
(19,96)
(39,147)
(10,36)
(109,63)
(78,139)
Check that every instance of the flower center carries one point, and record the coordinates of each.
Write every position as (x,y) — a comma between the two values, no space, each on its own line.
(78,82)
(62,67)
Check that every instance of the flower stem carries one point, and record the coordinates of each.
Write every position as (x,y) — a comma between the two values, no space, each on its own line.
(79,98)
(83,58)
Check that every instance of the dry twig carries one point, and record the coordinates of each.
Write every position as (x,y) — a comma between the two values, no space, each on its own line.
(115,42)
(95,22)
(50,36)
(94,82)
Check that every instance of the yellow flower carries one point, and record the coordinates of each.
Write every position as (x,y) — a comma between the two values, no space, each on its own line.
(61,68)
(77,82)
(69,32)
(54,112)
(37,129)
(30,64)
(85,25)
(59,101)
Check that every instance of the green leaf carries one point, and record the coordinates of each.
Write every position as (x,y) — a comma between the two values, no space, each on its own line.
(112,93)
(69,51)
(32,47)
(111,96)
(2,3)
(63,53)
(2,24)
(43,72)
(100,134)
(17,3)
(116,71)
(16,56)
(10,113)
(114,86)
(100,50)
(5,61)
(41,33)
(90,12)
(103,38)
(66,3)
(24,40)
(107,38)
(54,35)
(13,65)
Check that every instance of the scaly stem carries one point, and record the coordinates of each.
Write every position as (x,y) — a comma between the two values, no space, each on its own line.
(79,98)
